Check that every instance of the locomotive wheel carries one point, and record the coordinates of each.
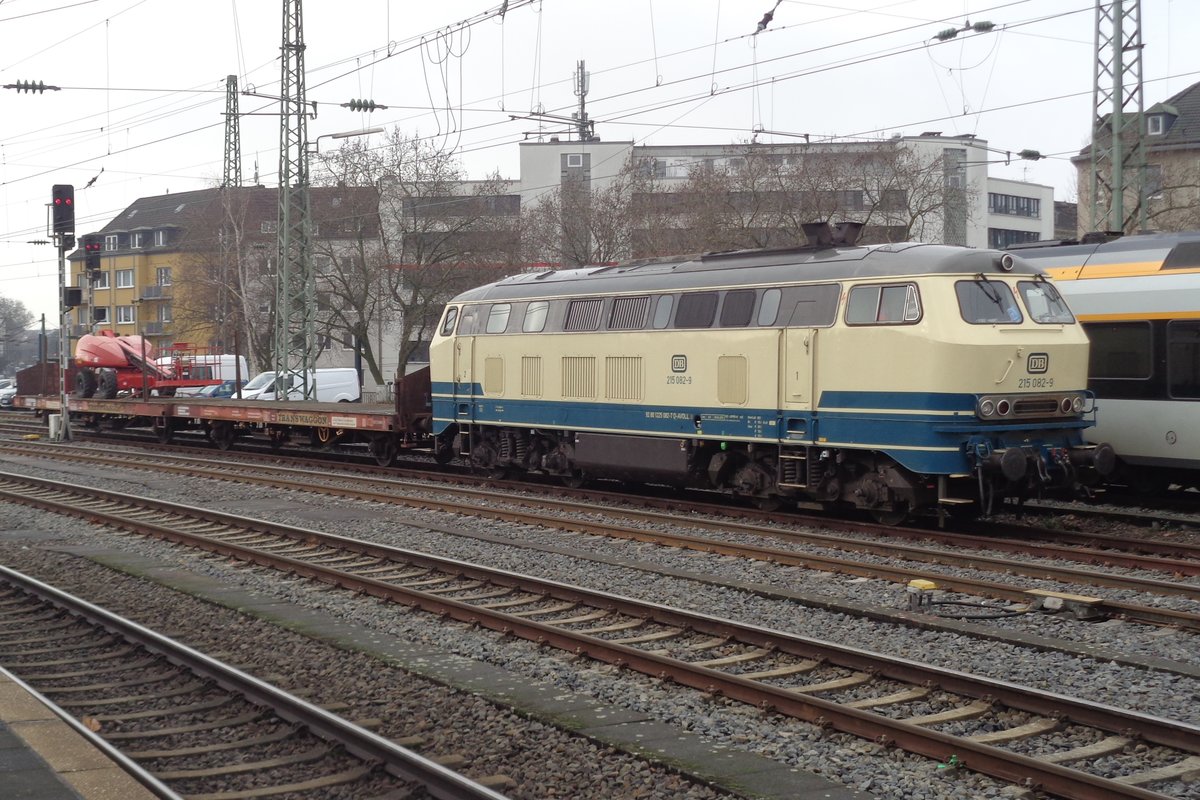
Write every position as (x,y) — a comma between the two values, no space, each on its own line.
(573,481)
(221,434)
(383,448)
(107,384)
(85,382)
(443,450)
(889,516)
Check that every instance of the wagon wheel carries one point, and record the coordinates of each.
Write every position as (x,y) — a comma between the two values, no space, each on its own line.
(107,384)
(163,429)
(85,382)
(383,447)
(221,434)
(443,450)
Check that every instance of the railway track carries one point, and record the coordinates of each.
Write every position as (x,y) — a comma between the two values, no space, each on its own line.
(982,724)
(187,725)
(731,537)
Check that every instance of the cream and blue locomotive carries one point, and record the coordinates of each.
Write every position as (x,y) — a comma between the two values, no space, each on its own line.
(1138,298)
(896,379)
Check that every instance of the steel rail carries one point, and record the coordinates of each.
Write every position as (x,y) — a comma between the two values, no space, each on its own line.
(403,763)
(1000,763)
(994,589)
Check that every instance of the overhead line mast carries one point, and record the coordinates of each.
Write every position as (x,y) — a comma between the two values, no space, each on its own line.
(294,341)
(1117,154)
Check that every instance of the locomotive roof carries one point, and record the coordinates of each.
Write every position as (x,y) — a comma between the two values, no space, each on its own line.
(750,268)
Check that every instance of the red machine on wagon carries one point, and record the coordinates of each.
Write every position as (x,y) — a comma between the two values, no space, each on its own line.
(106,364)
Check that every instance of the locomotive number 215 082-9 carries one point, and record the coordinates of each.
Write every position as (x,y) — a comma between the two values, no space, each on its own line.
(1035,383)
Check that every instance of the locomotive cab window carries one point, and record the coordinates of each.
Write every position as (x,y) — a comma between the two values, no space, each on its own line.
(984,302)
(450,319)
(883,305)
(1044,303)
(466,321)
(498,317)
(535,317)
(816,306)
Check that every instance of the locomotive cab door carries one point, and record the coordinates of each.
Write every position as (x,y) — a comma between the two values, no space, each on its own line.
(797,387)
(464,378)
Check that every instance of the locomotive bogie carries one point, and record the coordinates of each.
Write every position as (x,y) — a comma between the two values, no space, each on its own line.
(888,379)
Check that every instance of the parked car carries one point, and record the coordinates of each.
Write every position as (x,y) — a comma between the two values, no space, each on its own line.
(333,385)
(7,394)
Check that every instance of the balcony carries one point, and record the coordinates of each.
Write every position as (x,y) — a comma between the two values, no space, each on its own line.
(155,293)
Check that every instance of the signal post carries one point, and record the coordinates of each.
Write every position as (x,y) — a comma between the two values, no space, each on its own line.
(62,213)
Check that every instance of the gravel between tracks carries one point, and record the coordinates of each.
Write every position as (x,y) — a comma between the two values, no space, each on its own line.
(857,763)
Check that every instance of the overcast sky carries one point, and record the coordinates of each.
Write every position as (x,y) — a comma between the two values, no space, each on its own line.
(143,85)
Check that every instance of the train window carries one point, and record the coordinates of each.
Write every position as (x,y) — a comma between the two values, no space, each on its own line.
(696,310)
(984,302)
(738,308)
(466,322)
(1120,350)
(768,310)
(816,306)
(628,313)
(1044,303)
(535,317)
(498,317)
(583,315)
(1183,359)
(889,305)
(662,312)
(448,322)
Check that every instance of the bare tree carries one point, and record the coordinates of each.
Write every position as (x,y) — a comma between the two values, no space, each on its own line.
(439,235)
(15,320)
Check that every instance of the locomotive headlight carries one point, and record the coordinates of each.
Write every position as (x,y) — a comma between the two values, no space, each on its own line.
(1003,407)
(1077,404)
(987,408)
(1065,405)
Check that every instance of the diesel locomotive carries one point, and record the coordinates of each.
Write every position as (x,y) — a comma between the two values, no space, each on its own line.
(899,379)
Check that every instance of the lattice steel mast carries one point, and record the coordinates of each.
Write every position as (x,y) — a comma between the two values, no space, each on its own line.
(295,293)
(227,235)
(1117,157)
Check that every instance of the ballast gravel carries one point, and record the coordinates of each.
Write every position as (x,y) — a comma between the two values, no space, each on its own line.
(859,764)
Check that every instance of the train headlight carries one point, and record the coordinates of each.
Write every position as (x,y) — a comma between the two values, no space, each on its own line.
(987,408)
(1065,405)
(1077,404)
(1003,407)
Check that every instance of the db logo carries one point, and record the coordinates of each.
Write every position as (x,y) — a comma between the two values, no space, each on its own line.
(678,363)
(1037,363)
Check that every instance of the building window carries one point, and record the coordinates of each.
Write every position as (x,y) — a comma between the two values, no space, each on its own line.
(1014,205)
(125,315)
(100,314)
(135,241)
(268,227)
(100,281)
(575,160)
(124,279)
(160,238)
(1000,238)
(163,276)
(1154,125)
(164,312)
(1152,182)
(110,241)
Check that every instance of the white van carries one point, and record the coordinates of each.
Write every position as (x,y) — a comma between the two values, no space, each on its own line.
(334,385)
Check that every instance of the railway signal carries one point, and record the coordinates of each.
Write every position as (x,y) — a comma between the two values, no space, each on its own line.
(63,208)
(92,244)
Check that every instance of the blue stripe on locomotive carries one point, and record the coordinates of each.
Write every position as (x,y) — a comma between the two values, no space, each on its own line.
(934,442)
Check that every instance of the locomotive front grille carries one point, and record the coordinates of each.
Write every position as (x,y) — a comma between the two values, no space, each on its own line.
(1040,407)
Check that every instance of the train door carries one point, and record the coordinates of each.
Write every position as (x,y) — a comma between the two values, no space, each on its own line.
(464,365)
(797,386)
